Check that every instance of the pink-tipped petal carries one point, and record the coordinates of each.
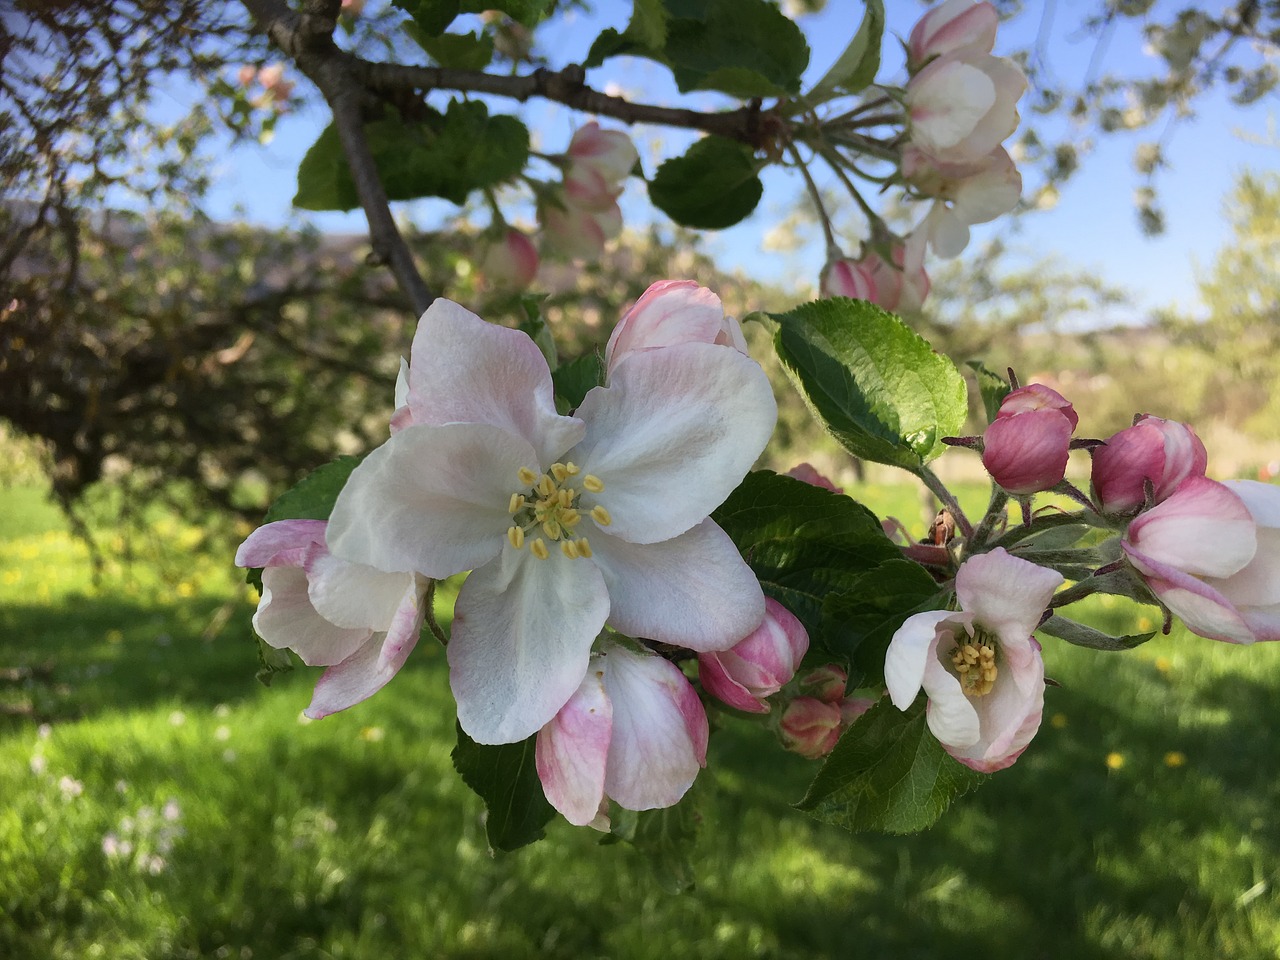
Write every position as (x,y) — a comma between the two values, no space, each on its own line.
(522,635)
(464,370)
(366,671)
(1005,593)
(1204,609)
(265,545)
(1203,529)
(716,680)
(669,312)
(659,731)
(573,749)
(432,499)
(710,599)
(672,435)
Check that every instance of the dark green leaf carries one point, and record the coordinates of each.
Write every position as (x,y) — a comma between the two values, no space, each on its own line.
(888,773)
(747,48)
(506,779)
(271,662)
(992,387)
(802,542)
(434,16)
(857,66)
(648,24)
(445,155)
(859,621)
(574,379)
(663,838)
(714,185)
(459,51)
(1083,636)
(879,387)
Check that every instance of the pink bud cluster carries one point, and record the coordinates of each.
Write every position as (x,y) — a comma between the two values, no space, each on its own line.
(811,724)
(583,215)
(276,89)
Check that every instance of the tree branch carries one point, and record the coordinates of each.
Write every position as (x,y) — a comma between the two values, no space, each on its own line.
(308,39)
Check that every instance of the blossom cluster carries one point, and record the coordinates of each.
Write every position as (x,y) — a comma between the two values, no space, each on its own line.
(961,105)
(586,537)
(1205,551)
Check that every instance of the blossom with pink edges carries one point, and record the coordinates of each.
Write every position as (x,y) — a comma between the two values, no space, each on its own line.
(672,312)
(1025,448)
(957,26)
(1211,554)
(634,731)
(578,233)
(966,194)
(759,664)
(962,106)
(360,622)
(607,152)
(1164,452)
(980,666)
(566,522)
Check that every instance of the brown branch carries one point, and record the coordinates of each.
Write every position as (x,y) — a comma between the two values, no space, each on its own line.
(308,39)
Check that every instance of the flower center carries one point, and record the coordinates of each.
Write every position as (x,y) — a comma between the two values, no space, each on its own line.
(975,663)
(548,507)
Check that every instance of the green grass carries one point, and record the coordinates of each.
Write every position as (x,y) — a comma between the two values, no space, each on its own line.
(352,837)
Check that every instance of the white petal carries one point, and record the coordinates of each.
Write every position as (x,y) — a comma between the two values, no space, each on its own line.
(947,99)
(659,730)
(282,543)
(431,499)
(286,620)
(464,370)
(1004,593)
(522,635)
(909,651)
(352,594)
(573,749)
(672,435)
(951,715)
(694,590)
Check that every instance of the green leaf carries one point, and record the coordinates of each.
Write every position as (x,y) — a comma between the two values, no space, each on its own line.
(445,155)
(271,662)
(1083,636)
(802,542)
(458,51)
(992,387)
(506,779)
(747,48)
(860,621)
(664,838)
(648,24)
(434,16)
(714,185)
(879,387)
(573,380)
(887,773)
(535,327)
(854,70)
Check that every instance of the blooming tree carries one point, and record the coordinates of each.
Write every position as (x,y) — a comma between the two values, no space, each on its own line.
(628,576)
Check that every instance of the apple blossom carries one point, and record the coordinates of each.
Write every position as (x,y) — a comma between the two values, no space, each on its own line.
(511,263)
(957,26)
(566,522)
(1211,554)
(607,152)
(634,731)
(967,193)
(1026,446)
(759,664)
(963,106)
(360,622)
(672,312)
(577,233)
(979,666)
(848,278)
(1164,452)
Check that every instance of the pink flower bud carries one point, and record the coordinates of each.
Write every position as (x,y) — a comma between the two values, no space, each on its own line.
(807,473)
(1025,448)
(579,234)
(246,74)
(903,285)
(586,188)
(848,278)
(352,8)
(825,683)
(669,313)
(758,665)
(270,76)
(810,727)
(1165,452)
(511,263)
(610,152)
(957,26)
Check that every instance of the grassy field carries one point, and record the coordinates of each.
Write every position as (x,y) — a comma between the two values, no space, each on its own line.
(159,802)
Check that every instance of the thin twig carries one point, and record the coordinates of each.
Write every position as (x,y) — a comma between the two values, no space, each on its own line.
(833,248)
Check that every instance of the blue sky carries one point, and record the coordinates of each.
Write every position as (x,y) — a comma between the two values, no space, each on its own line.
(1092,227)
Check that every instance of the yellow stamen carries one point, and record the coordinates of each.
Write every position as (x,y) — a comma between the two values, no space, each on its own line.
(584,548)
(539,549)
(552,529)
(516,537)
(517,502)
(569,517)
(572,469)
(565,497)
(975,665)
(601,516)
(592,483)
(569,549)
(546,486)
(559,471)
(526,476)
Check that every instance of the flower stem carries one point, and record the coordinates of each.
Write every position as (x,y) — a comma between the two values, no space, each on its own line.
(432,624)
(939,490)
